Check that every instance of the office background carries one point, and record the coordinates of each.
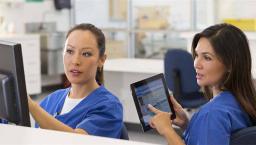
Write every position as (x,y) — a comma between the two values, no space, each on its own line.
(137,31)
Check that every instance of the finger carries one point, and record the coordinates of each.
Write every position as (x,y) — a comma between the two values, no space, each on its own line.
(29,98)
(153,109)
(151,123)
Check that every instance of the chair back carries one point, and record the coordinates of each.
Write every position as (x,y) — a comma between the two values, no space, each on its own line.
(124,133)
(180,76)
(246,136)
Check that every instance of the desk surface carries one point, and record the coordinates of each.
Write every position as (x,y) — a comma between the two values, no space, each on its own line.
(132,65)
(19,135)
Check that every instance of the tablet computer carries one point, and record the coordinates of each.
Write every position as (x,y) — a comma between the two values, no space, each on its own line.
(152,91)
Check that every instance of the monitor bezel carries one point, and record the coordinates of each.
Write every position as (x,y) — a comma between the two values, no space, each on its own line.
(23,118)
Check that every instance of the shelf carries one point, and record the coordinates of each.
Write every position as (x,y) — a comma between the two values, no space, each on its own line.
(114,29)
(174,18)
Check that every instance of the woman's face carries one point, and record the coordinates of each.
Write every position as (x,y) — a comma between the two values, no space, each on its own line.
(81,57)
(209,69)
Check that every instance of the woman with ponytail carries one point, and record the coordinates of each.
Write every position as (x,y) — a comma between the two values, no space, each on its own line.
(86,106)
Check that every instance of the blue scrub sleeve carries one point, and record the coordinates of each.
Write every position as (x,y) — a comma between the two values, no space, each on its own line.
(104,120)
(3,121)
(216,129)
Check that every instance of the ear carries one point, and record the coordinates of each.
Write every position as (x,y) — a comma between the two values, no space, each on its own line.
(102,60)
(229,70)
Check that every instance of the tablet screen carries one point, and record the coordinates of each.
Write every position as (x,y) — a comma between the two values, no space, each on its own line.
(150,91)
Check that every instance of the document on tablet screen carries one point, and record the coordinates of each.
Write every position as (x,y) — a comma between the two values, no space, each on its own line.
(152,93)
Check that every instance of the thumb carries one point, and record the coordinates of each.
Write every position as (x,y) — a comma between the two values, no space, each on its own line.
(174,102)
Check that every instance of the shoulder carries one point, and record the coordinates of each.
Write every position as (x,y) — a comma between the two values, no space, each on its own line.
(223,109)
(219,107)
(56,95)
(106,99)
(216,119)
(106,95)
(213,112)
(224,102)
(59,92)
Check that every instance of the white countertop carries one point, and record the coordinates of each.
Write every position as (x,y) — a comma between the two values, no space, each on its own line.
(18,135)
(133,65)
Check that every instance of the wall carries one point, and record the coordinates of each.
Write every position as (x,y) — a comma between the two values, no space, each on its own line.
(96,12)
(180,12)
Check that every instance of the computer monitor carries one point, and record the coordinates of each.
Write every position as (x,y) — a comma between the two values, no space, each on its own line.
(13,93)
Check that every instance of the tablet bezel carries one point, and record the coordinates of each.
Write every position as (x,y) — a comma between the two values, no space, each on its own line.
(135,98)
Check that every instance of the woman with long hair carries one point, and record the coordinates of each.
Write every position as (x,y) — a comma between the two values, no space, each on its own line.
(222,61)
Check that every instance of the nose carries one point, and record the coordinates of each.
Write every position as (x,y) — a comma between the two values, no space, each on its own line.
(76,59)
(197,63)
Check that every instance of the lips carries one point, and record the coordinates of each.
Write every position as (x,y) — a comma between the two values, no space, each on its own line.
(75,72)
(199,76)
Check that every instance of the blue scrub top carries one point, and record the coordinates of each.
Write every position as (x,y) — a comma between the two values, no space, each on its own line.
(3,121)
(216,121)
(100,113)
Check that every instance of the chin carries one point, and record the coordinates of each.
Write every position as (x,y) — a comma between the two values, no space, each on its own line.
(200,83)
(74,81)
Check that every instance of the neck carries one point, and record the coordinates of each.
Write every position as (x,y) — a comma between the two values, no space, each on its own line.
(216,91)
(81,91)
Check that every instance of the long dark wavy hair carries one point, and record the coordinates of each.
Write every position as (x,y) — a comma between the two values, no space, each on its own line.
(231,46)
(100,39)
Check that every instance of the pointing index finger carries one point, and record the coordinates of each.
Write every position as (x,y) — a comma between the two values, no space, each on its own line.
(153,109)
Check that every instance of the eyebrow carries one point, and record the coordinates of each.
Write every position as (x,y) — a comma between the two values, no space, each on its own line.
(86,47)
(208,53)
(70,45)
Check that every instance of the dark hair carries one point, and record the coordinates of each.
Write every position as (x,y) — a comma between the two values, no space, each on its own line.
(100,39)
(231,47)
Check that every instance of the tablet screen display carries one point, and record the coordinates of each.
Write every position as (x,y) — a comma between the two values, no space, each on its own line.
(151,91)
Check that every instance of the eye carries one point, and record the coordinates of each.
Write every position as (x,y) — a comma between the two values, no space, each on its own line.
(207,58)
(195,55)
(87,54)
(69,51)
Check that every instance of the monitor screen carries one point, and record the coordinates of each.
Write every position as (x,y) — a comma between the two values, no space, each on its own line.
(13,94)
(61,4)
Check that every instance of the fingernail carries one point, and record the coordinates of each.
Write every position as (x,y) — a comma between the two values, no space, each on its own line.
(149,105)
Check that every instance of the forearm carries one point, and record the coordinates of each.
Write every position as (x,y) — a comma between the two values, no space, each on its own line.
(173,138)
(46,121)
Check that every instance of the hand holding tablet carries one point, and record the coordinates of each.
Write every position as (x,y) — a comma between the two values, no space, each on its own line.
(152,91)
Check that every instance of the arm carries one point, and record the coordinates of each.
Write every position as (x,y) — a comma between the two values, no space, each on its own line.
(172,138)
(46,121)
(3,121)
(162,123)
